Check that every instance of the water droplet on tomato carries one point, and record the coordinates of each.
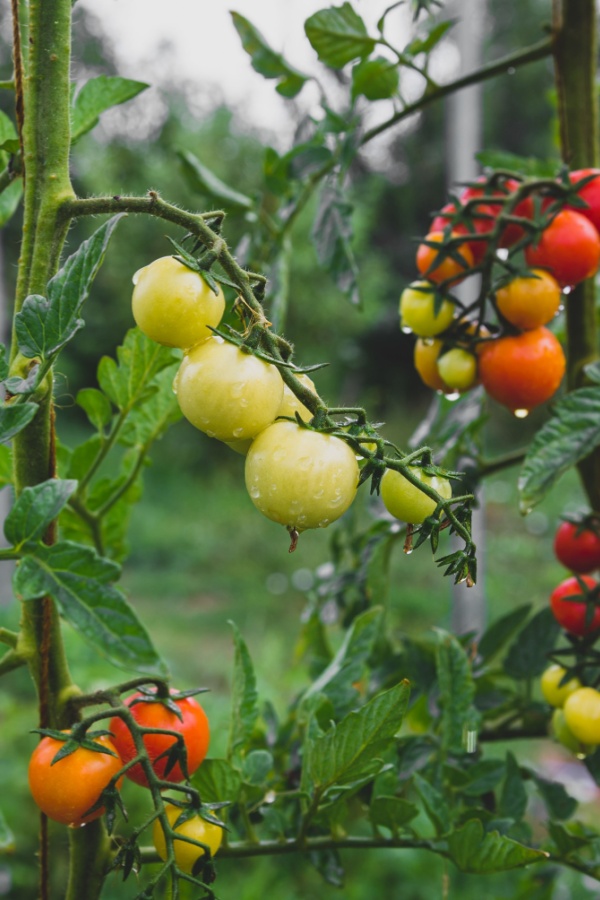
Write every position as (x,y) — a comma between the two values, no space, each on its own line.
(521,413)
(453,396)
(428,342)
(238,432)
(136,275)
(237,389)
(406,330)
(254,493)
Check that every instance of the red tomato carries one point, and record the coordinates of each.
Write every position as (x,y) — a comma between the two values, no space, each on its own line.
(479,226)
(193,727)
(577,548)
(569,248)
(524,208)
(66,789)
(570,614)
(590,192)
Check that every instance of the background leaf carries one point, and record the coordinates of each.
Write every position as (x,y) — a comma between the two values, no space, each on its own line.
(528,654)
(474,851)
(206,182)
(244,696)
(339,35)
(96,96)
(331,235)
(457,691)
(265,61)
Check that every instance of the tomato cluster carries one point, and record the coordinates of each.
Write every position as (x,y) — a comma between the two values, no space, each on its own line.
(531,246)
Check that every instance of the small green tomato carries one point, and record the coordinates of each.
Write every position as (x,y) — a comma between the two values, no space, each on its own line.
(458,369)
(173,305)
(227,393)
(405,501)
(417,310)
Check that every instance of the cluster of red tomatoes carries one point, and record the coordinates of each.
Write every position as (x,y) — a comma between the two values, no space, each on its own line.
(67,775)
(526,273)
(574,604)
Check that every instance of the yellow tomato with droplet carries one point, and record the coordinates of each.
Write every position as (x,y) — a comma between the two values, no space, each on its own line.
(300,478)
(226,392)
(418,312)
(174,305)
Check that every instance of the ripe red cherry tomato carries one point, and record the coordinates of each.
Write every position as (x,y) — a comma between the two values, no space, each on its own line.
(193,727)
(577,548)
(590,193)
(569,248)
(477,226)
(524,208)
(66,789)
(570,614)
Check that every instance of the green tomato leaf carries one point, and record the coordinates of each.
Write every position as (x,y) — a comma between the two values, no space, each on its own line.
(457,692)
(349,751)
(128,381)
(392,812)
(35,509)
(434,33)
(244,696)
(500,632)
(45,325)
(566,842)
(7,840)
(266,61)
(6,466)
(9,200)
(96,406)
(96,96)
(149,420)
(474,851)
(434,804)
(571,434)
(339,35)
(376,79)
(513,797)
(201,179)
(559,803)
(332,235)
(14,419)
(217,781)
(528,654)
(257,767)
(522,165)
(80,582)
(348,665)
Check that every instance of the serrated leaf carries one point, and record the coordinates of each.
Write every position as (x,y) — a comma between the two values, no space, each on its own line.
(217,781)
(477,779)
(35,509)
(96,406)
(528,654)
(206,182)
(347,666)
(513,797)
(392,812)
(128,381)
(7,840)
(474,851)
(149,420)
(80,582)
(266,61)
(339,35)
(434,803)
(348,751)
(571,434)
(45,324)
(457,691)
(244,696)
(500,632)
(530,165)
(96,96)
(332,235)
(14,418)
(375,79)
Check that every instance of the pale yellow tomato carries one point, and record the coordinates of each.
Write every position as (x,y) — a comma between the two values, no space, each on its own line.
(196,827)
(582,714)
(173,305)
(418,313)
(458,369)
(405,501)
(300,478)
(554,692)
(227,393)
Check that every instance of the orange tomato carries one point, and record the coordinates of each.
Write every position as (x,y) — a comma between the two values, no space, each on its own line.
(438,268)
(524,370)
(529,302)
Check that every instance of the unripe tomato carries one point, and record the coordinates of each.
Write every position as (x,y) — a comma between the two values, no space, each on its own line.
(565,736)
(228,394)
(524,370)
(590,193)
(577,548)
(571,615)
(582,715)
(173,305)
(458,369)
(300,478)
(67,789)
(193,727)
(529,302)
(425,358)
(417,310)
(195,827)
(436,267)
(569,248)
(554,692)
(405,501)
(290,404)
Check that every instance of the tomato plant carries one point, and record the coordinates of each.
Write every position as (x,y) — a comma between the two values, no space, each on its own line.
(576,617)
(181,715)
(174,305)
(66,787)
(577,547)
(189,824)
